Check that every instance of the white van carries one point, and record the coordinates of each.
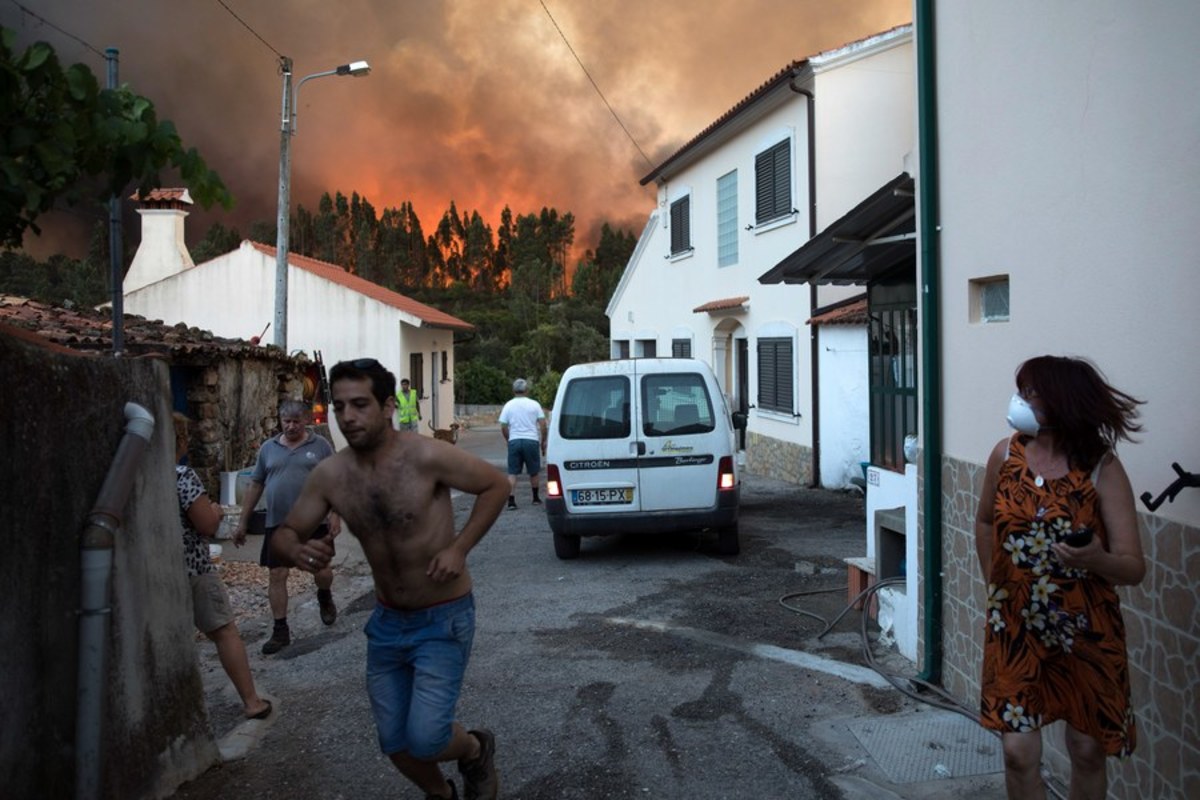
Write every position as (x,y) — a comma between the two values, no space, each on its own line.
(643,445)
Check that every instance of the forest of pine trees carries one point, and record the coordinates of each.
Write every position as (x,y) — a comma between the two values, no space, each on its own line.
(534,314)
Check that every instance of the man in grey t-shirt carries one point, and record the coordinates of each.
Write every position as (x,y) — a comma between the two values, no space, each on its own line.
(283,465)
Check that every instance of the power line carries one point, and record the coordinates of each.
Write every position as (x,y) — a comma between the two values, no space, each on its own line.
(47,22)
(247,27)
(596,87)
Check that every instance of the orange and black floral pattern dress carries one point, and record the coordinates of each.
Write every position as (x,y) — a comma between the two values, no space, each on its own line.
(1054,647)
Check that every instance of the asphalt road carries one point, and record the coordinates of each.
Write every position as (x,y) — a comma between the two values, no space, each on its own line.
(648,668)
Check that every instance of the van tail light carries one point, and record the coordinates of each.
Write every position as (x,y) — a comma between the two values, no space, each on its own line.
(726,479)
(553,484)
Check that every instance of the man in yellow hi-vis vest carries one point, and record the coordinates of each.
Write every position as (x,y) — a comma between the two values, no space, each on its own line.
(408,407)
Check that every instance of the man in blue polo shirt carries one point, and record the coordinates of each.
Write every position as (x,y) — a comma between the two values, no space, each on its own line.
(283,465)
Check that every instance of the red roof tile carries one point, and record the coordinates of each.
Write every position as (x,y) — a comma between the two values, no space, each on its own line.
(164,195)
(848,312)
(83,329)
(429,316)
(722,305)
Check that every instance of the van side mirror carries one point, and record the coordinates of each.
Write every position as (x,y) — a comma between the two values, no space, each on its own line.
(739,420)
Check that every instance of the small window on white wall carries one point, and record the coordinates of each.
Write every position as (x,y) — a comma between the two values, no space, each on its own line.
(989,299)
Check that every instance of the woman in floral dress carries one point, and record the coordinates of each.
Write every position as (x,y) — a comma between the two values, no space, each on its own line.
(1054,647)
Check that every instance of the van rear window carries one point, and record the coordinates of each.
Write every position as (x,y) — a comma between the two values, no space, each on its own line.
(674,404)
(595,408)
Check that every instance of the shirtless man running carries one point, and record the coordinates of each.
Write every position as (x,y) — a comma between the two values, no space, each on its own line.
(392,491)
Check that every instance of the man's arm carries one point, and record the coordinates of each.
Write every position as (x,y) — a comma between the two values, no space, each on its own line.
(291,542)
(542,431)
(249,500)
(460,470)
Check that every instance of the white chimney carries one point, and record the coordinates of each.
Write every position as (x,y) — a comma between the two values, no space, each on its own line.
(162,252)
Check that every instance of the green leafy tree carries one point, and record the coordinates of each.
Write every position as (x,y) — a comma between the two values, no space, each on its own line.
(218,241)
(58,129)
(545,387)
(596,277)
(477,381)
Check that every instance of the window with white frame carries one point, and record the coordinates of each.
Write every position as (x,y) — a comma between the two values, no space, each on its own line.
(776,371)
(727,220)
(773,183)
(681,227)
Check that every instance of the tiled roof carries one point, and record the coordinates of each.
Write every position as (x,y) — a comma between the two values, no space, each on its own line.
(164,195)
(429,316)
(87,330)
(780,77)
(852,311)
(724,304)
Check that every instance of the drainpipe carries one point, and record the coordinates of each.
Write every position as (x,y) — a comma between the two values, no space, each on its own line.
(814,350)
(931,375)
(96,557)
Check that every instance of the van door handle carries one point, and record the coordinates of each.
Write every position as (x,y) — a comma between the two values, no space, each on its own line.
(640,447)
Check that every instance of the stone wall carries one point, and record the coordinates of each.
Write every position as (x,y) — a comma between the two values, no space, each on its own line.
(63,420)
(234,405)
(786,461)
(1162,617)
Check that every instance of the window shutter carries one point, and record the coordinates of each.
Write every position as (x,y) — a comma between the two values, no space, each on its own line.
(775,375)
(773,183)
(680,225)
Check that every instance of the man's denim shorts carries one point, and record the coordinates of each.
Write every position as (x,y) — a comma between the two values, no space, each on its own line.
(523,451)
(415,666)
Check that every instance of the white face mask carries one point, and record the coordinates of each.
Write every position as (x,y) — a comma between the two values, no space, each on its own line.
(1022,417)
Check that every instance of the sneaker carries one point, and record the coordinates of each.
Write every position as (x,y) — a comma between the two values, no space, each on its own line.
(479,776)
(537,501)
(453,793)
(512,506)
(280,639)
(328,609)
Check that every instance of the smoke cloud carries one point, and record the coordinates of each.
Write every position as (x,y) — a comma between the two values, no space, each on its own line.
(479,102)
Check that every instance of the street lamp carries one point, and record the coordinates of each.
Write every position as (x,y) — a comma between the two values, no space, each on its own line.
(287,130)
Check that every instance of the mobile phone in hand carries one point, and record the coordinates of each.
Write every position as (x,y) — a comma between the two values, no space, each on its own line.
(1078,538)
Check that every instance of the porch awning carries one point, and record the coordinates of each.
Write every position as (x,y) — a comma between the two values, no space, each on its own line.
(724,304)
(870,241)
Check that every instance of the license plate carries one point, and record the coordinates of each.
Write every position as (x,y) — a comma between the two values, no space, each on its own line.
(601,497)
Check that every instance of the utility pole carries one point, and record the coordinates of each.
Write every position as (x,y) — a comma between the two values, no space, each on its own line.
(283,213)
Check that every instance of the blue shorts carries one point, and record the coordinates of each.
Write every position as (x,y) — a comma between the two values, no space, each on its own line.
(525,451)
(415,666)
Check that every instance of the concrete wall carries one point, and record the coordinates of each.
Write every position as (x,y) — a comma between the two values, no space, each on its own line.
(845,414)
(62,423)
(1069,162)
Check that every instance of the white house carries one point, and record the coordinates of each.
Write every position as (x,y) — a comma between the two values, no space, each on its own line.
(330,311)
(782,163)
(1056,190)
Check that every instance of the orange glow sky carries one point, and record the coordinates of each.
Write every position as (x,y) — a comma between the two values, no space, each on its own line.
(475,101)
